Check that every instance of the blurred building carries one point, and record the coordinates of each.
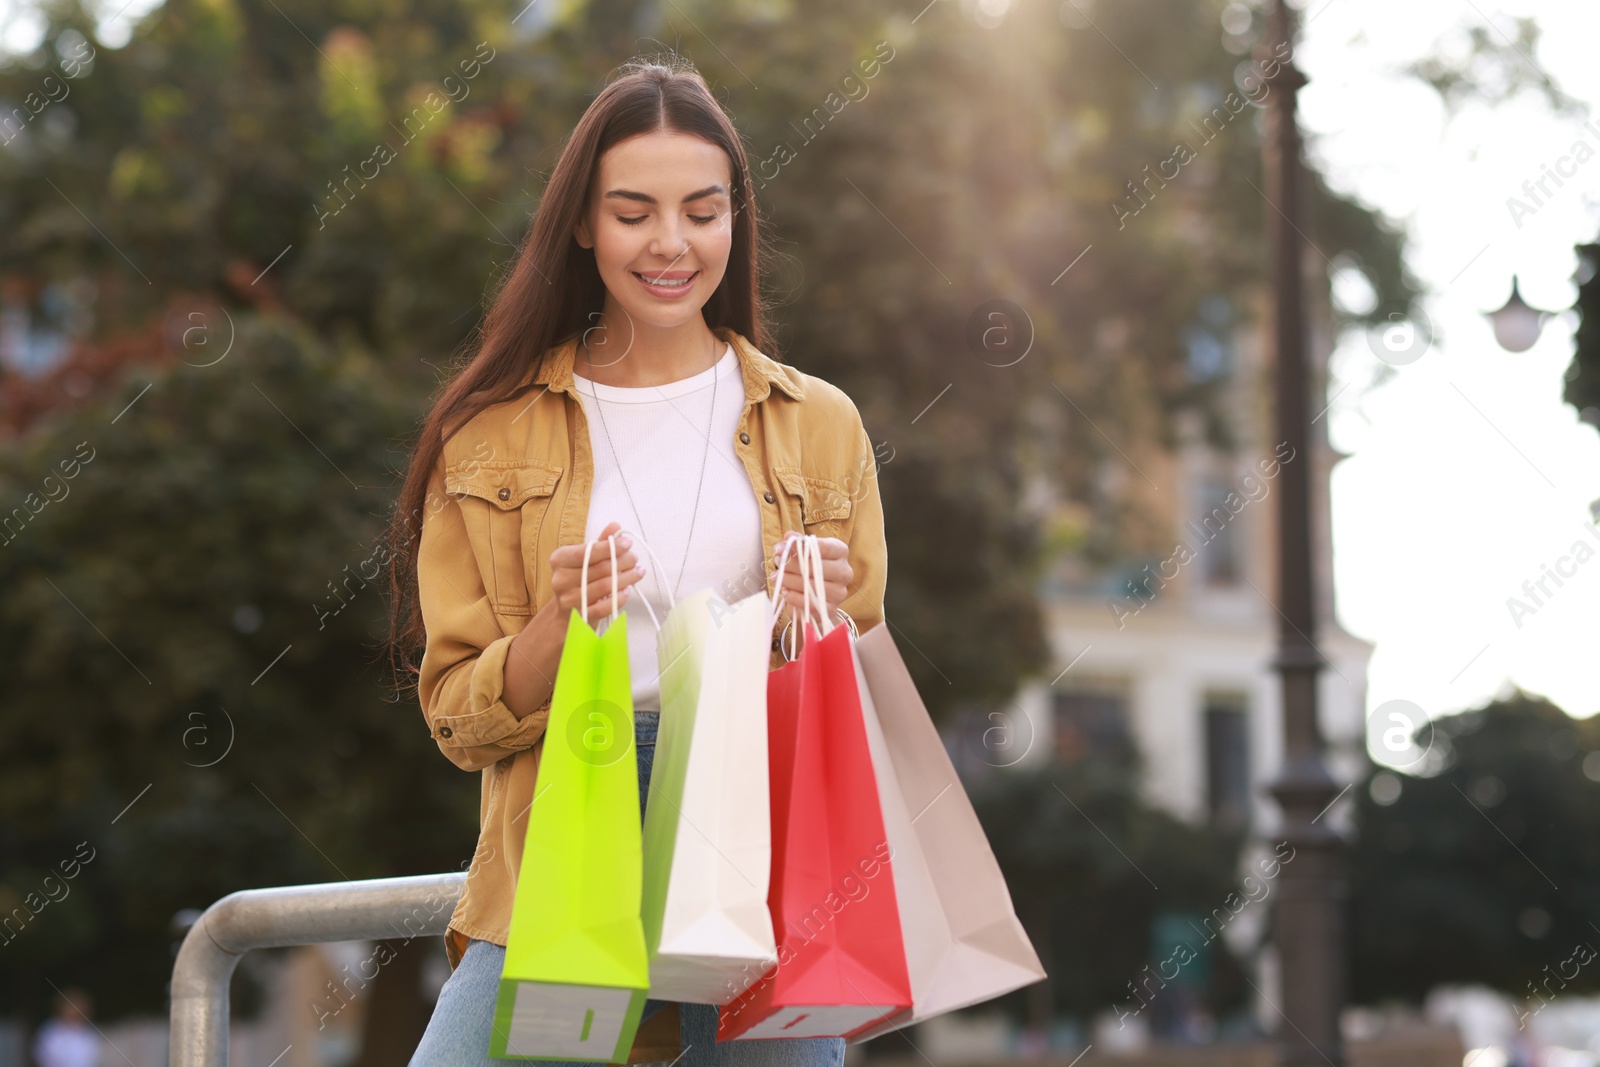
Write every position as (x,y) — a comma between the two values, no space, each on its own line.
(1168,652)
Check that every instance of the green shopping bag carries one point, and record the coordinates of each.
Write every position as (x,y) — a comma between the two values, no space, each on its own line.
(576,970)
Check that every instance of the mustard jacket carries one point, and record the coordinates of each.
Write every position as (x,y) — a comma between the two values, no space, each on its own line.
(512,486)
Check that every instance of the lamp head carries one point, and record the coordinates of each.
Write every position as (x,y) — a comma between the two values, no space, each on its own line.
(1516,325)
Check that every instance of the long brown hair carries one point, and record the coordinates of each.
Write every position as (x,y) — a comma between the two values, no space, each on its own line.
(554,288)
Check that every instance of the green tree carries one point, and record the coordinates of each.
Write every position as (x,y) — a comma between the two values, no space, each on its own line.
(1488,870)
(281,169)
(973,166)
(1091,867)
(192,632)
(1583,375)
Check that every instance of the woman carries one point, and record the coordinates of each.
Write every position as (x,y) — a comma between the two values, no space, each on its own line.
(619,387)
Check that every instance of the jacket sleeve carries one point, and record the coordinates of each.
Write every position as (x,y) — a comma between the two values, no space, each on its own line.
(863,532)
(462,676)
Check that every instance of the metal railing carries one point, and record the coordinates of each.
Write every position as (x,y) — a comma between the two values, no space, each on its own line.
(374,910)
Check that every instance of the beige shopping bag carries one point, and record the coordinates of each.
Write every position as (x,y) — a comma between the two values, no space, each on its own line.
(707,831)
(964,944)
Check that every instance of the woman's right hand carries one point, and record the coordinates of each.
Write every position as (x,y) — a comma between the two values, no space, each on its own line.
(566,576)
(536,653)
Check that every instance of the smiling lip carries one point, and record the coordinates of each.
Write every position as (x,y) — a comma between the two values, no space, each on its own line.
(667,291)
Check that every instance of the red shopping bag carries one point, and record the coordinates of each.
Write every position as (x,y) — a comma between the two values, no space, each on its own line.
(841,960)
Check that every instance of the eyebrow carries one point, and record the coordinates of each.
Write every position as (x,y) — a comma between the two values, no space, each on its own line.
(646,198)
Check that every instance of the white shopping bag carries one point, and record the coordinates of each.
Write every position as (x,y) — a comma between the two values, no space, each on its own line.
(707,826)
(964,944)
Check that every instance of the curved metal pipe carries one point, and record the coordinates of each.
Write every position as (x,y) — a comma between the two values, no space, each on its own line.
(376,909)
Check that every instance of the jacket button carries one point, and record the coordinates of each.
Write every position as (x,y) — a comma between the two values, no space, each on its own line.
(744,438)
(445,731)
(505,494)
(768,497)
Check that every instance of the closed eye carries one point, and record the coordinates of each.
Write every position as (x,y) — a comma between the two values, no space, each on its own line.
(703,220)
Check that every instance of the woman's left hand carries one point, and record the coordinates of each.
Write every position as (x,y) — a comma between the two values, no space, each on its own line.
(836,573)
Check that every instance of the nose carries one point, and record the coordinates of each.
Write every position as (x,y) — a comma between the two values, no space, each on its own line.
(670,242)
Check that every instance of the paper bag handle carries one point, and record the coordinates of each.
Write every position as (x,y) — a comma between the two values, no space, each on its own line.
(813,592)
(583,585)
(661,572)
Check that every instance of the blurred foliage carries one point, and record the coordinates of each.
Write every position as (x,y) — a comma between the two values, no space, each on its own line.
(1583,375)
(282,169)
(1091,866)
(976,165)
(189,614)
(1488,871)
(1479,63)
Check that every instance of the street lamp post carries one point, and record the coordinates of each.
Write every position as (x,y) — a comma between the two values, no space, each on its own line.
(1309,917)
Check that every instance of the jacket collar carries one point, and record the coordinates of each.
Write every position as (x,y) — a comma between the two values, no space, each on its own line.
(761,372)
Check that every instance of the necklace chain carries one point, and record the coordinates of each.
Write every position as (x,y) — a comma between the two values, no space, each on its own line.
(710,426)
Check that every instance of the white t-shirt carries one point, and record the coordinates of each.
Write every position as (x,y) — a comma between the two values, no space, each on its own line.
(659,434)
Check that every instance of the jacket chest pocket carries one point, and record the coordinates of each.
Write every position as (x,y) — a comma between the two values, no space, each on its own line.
(824,503)
(504,506)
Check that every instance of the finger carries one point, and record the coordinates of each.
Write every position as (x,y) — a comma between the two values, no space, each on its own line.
(777,549)
(836,570)
(791,562)
(626,561)
(832,548)
(599,609)
(789,576)
(602,591)
(570,582)
(797,601)
(600,602)
(599,559)
(833,592)
(602,586)
(791,583)
(572,555)
(834,573)
(572,577)
(570,593)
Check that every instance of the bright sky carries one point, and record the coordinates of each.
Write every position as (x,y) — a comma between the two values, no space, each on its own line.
(21,26)
(1468,475)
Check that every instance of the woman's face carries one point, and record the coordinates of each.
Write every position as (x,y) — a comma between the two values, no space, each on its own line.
(659,213)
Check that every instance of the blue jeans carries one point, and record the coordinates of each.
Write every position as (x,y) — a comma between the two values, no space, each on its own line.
(458,1032)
